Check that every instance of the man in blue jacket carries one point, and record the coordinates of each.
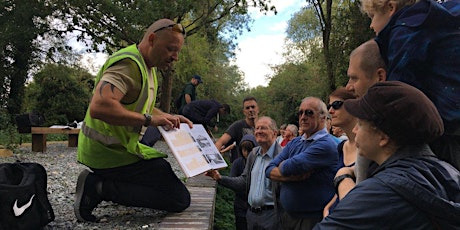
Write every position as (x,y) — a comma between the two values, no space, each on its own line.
(306,167)
(411,188)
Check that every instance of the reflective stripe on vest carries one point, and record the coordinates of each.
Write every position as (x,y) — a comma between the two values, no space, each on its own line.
(95,135)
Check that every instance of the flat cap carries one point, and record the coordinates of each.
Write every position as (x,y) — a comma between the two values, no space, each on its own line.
(401,111)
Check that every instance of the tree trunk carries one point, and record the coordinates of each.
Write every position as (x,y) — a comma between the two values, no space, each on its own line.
(166,89)
(326,27)
(18,77)
(326,40)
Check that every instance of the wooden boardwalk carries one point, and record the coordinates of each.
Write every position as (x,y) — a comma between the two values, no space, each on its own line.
(200,214)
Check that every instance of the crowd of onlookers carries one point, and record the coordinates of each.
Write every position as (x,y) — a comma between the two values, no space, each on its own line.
(372,157)
(383,152)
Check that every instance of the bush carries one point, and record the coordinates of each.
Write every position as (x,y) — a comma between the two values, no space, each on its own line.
(9,136)
(60,92)
(224,218)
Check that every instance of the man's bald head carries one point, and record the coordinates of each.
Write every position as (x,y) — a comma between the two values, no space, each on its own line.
(369,56)
(157,25)
(162,43)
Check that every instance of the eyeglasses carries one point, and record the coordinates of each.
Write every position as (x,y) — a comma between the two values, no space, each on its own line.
(250,107)
(308,113)
(174,27)
(261,128)
(335,105)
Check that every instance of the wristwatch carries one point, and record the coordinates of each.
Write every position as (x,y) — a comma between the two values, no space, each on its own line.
(148,119)
(339,179)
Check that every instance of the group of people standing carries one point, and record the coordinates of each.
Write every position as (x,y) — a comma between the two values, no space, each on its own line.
(397,169)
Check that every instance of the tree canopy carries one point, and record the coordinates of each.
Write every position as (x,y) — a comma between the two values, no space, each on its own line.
(321,33)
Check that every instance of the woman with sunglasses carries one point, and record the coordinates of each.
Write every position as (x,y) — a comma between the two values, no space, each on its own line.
(347,148)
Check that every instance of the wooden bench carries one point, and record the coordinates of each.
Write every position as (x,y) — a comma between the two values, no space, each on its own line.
(39,137)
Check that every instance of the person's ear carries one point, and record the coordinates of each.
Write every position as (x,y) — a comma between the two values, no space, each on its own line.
(151,39)
(392,7)
(382,74)
(384,139)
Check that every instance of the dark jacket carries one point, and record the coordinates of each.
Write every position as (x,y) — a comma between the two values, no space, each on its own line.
(421,47)
(202,111)
(410,190)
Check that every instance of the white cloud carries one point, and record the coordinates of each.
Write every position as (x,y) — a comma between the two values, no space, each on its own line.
(278,27)
(93,61)
(255,56)
(282,5)
(263,46)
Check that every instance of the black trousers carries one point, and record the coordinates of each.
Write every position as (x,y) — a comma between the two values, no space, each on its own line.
(147,183)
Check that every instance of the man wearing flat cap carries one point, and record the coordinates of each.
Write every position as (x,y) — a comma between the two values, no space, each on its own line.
(411,188)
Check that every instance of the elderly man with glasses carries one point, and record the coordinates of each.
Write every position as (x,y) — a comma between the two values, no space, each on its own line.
(305,168)
(121,169)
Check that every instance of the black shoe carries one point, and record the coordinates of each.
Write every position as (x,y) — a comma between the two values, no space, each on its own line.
(86,196)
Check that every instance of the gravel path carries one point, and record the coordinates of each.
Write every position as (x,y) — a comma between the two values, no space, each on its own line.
(62,169)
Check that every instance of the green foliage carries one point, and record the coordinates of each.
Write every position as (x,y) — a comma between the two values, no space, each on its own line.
(288,87)
(9,137)
(224,218)
(59,92)
(222,81)
(351,29)
(20,22)
(117,23)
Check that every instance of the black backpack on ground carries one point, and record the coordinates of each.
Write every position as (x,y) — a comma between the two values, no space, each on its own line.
(24,201)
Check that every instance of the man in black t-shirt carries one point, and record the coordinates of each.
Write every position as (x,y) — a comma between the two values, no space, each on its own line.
(239,128)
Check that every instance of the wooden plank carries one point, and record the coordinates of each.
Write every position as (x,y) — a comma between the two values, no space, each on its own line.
(200,214)
(47,130)
(39,137)
(38,142)
(73,140)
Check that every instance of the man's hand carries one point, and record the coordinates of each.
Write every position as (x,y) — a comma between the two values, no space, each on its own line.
(276,175)
(168,121)
(214,174)
(183,119)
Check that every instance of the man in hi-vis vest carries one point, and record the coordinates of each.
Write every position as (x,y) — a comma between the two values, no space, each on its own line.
(123,170)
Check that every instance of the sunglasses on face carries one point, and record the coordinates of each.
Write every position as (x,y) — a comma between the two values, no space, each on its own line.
(250,107)
(335,105)
(308,113)
(174,27)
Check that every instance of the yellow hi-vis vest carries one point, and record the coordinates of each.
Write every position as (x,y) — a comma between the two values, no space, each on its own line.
(101,145)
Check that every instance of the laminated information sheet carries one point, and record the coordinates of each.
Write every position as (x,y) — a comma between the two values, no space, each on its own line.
(193,148)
